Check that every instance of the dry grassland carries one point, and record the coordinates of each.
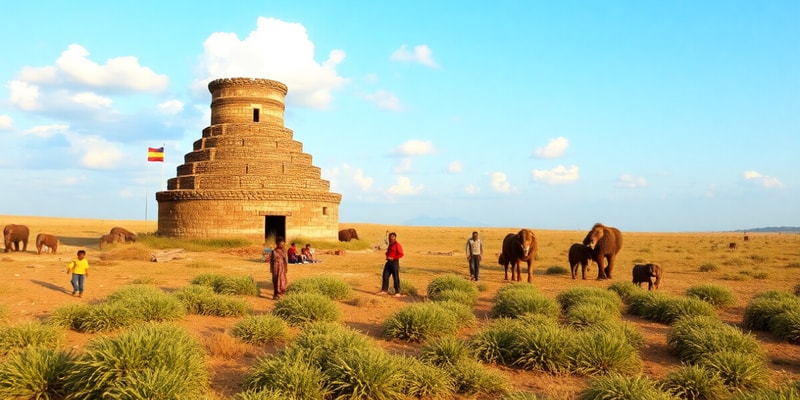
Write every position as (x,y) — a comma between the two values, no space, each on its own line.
(34,285)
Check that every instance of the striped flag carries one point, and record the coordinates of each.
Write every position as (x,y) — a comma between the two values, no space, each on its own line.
(155,154)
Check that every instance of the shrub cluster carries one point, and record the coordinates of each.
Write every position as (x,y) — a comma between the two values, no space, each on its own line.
(664,308)
(712,294)
(230,285)
(303,307)
(29,334)
(624,289)
(522,298)
(452,287)
(261,329)
(620,387)
(774,311)
(333,288)
(421,321)
(585,306)
(202,300)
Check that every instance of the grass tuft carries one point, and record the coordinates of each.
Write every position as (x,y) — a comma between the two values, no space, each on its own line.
(201,300)
(302,308)
(261,329)
(422,321)
(522,298)
(333,288)
(694,382)
(29,334)
(620,387)
(34,373)
(452,287)
(718,296)
(230,285)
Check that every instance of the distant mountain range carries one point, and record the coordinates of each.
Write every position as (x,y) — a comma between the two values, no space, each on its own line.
(773,229)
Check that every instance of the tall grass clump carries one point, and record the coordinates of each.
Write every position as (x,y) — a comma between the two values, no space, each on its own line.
(718,296)
(198,245)
(445,350)
(29,334)
(739,371)
(333,288)
(783,392)
(709,267)
(522,298)
(149,303)
(202,300)
(663,308)
(692,338)
(473,379)
(521,396)
(452,287)
(230,285)
(619,328)
(765,306)
(147,361)
(69,316)
(693,382)
(302,308)
(263,395)
(624,290)
(585,315)
(590,295)
(366,375)
(604,352)
(261,329)
(292,378)
(499,341)
(786,326)
(425,381)
(421,321)
(546,348)
(34,373)
(620,387)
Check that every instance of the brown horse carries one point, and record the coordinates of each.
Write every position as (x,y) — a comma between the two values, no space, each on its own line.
(517,248)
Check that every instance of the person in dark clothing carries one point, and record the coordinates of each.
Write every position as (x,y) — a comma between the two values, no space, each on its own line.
(394,252)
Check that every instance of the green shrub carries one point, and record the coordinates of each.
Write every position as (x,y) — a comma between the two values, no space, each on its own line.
(590,295)
(406,288)
(34,373)
(302,308)
(442,288)
(796,290)
(499,341)
(713,294)
(619,387)
(69,316)
(149,303)
(261,329)
(693,338)
(421,321)
(604,352)
(765,306)
(522,298)
(162,242)
(29,334)
(333,288)
(521,396)
(783,392)
(620,329)
(556,270)
(583,315)
(709,267)
(425,381)
(624,290)
(695,383)
(202,300)
(463,312)
(263,395)
(230,285)
(786,326)
(292,378)
(445,350)
(366,375)
(663,308)
(106,317)
(473,379)
(147,361)
(547,349)
(320,342)
(739,371)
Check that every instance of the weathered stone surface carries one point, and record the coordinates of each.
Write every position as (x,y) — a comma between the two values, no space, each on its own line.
(245,169)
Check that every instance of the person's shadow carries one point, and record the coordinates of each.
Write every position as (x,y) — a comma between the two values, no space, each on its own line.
(51,286)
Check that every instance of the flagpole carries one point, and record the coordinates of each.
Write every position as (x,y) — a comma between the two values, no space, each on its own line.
(146,184)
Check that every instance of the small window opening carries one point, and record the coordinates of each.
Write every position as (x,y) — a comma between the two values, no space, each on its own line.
(324,210)
(256,112)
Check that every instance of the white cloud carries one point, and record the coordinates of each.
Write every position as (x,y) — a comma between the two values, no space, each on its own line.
(415,147)
(384,100)
(763,180)
(472,189)
(403,187)
(91,100)
(94,151)
(23,95)
(74,66)
(500,183)
(276,50)
(347,176)
(6,123)
(422,55)
(46,131)
(402,166)
(555,148)
(171,107)
(628,181)
(557,175)
(455,167)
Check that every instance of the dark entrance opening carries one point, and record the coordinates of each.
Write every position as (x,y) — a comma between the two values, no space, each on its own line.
(274,226)
(256,114)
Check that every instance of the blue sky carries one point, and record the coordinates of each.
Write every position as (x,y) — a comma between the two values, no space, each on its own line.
(644,115)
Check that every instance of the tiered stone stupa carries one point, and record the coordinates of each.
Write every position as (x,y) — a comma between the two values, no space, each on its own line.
(246,176)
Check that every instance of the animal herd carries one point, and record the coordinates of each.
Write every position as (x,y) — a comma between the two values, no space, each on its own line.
(16,237)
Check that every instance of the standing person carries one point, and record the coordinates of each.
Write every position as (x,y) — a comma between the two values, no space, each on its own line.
(474,253)
(278,264)
(394,252)
(79,268)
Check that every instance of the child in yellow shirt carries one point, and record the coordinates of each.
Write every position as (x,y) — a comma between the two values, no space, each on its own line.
(79,268)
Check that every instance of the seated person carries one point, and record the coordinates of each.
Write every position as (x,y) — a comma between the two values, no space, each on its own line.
(292,255)
(308,254)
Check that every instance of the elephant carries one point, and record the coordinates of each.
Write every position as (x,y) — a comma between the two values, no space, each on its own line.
(346,235)
(15,234)
(579,254)
(46,242)
(645,273)
(732,245)
(126,234)
(517,248)
(111,239)
(605,242)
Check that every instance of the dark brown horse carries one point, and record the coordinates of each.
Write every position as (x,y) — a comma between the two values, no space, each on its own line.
(517,248)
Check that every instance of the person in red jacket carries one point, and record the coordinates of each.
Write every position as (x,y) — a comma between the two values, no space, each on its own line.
(394,252)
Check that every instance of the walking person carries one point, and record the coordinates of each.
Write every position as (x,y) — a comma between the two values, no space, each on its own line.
(394,252)
(278,264)
(79,268)
(474,253)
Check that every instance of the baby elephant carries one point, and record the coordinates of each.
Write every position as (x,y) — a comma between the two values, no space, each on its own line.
(111,239)
(650,273)
(579,254)
(45,242)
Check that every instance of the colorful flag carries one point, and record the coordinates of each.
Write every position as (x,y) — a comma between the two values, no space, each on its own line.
(155,154)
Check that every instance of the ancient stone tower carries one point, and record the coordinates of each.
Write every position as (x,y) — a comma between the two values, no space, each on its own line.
(246,177)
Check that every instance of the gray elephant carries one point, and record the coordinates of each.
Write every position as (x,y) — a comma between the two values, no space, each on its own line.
(46,241)
(111,239)
(579,254)
(126,234)
(605,242)
(650,273)
(15,234)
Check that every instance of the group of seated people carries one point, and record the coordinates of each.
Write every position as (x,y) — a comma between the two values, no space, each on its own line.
(306,255)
